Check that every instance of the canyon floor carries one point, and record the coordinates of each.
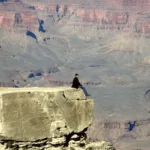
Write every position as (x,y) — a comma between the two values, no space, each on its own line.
(117,80)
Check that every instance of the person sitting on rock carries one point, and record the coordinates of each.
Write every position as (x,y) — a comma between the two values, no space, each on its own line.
(76,84)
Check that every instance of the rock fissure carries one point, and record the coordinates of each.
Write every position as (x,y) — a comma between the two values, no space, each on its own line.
(64,95)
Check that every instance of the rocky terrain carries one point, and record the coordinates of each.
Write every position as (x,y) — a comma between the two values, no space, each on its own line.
(46,119)
(44,43)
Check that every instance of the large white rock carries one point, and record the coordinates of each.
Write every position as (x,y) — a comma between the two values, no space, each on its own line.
(28,114)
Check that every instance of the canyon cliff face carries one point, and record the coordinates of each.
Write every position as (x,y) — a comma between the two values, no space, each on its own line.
(128,15)
(117,14)
(15,15)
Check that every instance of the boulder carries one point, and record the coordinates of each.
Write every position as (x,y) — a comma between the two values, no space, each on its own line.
(30,114)
(46,118)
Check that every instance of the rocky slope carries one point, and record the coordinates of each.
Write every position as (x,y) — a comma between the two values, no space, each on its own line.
(120,132)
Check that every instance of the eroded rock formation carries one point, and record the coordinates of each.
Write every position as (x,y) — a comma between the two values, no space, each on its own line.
(17,16)
(131,15)
(46,118)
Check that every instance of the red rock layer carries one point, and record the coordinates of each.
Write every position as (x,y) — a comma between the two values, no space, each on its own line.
(17,15)
(118,14)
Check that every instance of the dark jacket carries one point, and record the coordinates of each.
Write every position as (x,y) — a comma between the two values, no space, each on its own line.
(76,84)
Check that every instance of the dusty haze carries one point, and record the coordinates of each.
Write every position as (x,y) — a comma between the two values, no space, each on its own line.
(45,42)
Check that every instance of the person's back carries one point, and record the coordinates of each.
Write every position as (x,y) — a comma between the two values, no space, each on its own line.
(76,84)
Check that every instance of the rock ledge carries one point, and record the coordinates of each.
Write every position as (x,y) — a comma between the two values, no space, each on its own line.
(46,119)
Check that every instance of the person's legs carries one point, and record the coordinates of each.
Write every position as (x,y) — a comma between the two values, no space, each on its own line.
(84,90)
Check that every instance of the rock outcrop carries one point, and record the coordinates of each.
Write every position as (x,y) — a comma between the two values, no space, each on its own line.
(46,118)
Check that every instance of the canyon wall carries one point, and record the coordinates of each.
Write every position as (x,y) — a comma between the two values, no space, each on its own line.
(15,15)
(122,15)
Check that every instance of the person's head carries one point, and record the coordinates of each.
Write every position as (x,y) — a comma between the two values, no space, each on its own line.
(76,75)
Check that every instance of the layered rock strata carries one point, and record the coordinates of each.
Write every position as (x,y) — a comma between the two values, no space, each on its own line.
(124,15)
(16,16)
